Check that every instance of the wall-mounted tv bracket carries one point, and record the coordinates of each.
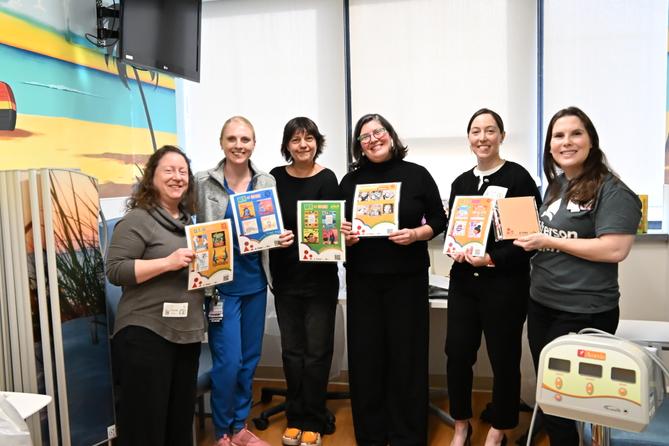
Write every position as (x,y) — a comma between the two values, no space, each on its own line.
(108,21)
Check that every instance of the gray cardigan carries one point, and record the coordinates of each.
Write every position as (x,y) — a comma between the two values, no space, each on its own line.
(153,234)
(212,199)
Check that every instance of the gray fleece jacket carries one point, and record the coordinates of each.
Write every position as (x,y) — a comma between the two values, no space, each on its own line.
(212,199)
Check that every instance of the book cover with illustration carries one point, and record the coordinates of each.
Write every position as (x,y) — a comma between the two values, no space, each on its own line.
(515,217)
(319,231)
(257,219)
(376,209)
(469,224)
(212,243)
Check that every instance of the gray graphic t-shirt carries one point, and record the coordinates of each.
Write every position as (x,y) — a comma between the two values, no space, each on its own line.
(568,283)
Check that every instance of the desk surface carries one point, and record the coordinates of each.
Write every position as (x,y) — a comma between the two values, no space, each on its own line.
(27,404)
(435,280)
(644,331)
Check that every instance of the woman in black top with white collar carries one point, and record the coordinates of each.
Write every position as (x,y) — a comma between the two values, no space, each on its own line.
(488,294)
(387,293)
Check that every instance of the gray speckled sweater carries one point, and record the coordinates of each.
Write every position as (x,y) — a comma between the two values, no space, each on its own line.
(153,234)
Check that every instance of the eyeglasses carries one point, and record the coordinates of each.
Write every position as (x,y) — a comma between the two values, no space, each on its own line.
(367,137)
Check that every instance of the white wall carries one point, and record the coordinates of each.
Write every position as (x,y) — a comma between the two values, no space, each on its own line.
(609,57)
(270,61)
(428,65)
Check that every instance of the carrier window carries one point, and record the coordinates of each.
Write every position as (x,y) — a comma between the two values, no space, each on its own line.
(560,365)
(589,369)
(623,375)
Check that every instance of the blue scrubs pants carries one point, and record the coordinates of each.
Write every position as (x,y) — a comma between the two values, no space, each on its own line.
(236,344)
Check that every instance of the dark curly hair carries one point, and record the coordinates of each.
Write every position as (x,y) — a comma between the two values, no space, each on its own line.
(398,150)
(145,196)
(301,125)
(584,188)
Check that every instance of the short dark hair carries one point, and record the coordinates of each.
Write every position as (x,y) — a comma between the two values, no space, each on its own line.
(486,111)
(145,196)
(585,187)
(398,151)
(301,125)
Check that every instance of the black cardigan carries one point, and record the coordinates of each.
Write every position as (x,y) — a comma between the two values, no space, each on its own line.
(508,258)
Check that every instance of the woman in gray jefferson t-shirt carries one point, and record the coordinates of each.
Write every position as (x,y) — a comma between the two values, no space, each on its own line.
(588,221)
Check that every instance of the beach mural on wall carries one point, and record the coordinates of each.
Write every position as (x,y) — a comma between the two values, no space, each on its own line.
(63,103)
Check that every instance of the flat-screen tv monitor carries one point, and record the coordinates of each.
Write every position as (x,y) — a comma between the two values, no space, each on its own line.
(163,35)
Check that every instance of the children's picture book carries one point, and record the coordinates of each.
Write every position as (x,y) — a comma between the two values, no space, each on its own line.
(376,209)
(515,217)
(469,225)
(213,263)
(319,231)
(257,219)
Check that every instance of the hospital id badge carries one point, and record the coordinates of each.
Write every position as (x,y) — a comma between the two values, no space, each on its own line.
(215,311)
(175,309)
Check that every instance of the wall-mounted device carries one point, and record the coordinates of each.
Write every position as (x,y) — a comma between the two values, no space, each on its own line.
(600,380)
(163,35)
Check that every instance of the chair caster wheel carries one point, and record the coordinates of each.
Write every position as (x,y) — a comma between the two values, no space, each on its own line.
(261,423)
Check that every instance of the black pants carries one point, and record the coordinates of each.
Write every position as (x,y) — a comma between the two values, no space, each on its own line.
(307,327)
(495,305)
(158,381)
(545,324)
(388,335)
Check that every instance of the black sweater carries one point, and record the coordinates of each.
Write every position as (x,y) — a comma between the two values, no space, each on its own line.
(289,275)
(508,258)
(419,198)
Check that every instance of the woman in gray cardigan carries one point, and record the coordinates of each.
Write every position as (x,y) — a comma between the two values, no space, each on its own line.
(160,325)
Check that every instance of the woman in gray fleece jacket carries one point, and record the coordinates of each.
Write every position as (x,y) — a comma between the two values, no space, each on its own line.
(160,325)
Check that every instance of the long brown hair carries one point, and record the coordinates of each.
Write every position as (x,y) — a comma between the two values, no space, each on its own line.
(584,188)
(145,196)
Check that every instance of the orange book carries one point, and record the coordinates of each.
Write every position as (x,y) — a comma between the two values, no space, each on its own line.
(515,217)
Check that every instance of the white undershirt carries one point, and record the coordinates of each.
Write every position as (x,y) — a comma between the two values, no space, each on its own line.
(484,173)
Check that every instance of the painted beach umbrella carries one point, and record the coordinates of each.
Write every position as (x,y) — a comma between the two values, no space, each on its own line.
(7,107)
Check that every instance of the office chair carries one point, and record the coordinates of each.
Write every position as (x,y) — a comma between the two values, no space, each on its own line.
(261,422)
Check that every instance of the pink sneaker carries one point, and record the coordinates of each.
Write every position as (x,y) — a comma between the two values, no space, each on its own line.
(246,438)
(224,441)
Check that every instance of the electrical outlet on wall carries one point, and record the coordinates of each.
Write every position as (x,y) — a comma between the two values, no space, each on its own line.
(111,432)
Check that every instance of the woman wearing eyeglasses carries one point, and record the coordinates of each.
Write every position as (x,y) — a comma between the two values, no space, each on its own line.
(387,293)
(488,295)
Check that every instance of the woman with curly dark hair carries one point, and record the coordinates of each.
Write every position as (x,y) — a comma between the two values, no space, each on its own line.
(588,221)
(159,325)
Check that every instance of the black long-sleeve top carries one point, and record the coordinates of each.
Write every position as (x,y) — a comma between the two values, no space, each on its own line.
(289,275)
(419,198)
(508,258)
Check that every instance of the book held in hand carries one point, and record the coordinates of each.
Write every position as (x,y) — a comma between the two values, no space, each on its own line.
(515,217)
(319,231)
(376,209)
(469,225)
(213,263)
(257,219)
